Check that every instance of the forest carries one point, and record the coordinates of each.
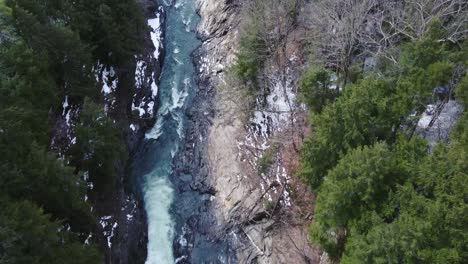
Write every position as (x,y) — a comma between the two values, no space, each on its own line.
(383,192)
(48,50)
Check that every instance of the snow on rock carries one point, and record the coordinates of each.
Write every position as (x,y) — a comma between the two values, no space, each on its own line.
(130,207)
(154,86)
(65,105)
(271,116)
(156,33)
(105,221)
(275,115)
(111,235)
(437,121)
(334,83)
(109,228)
(107,78)
(282,97)
(180,259)
(129,217)
(427,116)
(67,112)
(67,118)
(87,241)
(150,107)
(86,176)
(109,81)
(63,136)
(140,73)
(144,105)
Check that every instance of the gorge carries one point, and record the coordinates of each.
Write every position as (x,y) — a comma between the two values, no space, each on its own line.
(233,131)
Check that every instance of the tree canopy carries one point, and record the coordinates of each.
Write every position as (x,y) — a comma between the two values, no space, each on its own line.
(47,52)
(382,197)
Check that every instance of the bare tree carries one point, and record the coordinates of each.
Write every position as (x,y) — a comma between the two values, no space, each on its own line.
(412,17)
(345,29)
(396,20)
(336,26)
(271,20)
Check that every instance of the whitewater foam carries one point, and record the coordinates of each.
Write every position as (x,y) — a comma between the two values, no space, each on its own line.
(158,196)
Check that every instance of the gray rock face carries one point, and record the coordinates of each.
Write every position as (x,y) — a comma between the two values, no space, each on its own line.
(237,201)
(198,239)
(218,17)
(438,120)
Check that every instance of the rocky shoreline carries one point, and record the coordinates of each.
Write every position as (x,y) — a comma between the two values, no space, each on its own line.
(233,212)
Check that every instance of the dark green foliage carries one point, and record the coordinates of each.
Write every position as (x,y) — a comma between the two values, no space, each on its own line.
(47,50)
(60,48)
(462,91)
(38,176)
(360,183)
(381,197)
(98,145)
(113,27)
(431,225)
(250,58)
(109,29)
(315,88)
(27,235)
(396,207)
(354,186)
(374,108)
(362,116)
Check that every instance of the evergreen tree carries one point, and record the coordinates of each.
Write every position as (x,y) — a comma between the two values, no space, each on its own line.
(382,198)
(316,89)
(27,235)
(98,145)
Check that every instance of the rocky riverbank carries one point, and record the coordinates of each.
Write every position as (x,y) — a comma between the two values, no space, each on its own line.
(123,217)
(237,205)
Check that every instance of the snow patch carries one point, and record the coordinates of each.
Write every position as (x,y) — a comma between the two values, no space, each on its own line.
(273,115)
(109,81)
(154,86)
(129,217)
(88,239)
(105,221)
(65,105)
(140,73)
(109,238)
(156,33)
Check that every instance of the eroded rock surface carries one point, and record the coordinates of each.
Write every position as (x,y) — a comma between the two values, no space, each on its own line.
(240,194)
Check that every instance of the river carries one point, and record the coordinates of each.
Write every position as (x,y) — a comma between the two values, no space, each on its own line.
(154,162)
(178,214)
